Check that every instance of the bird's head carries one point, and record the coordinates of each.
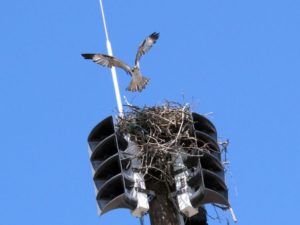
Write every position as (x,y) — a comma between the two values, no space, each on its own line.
(134,69)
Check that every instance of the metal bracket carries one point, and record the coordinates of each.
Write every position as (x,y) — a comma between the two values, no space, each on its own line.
(140,193)
(181,193)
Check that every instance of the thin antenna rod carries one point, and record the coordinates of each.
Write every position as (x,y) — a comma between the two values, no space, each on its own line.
(234,218)
(113,69)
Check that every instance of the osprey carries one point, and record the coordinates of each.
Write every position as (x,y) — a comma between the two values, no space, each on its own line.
(138,82)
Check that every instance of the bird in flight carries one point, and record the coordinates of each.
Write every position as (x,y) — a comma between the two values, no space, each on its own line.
(138,82)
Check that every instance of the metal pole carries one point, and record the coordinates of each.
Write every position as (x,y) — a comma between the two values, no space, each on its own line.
(113,69)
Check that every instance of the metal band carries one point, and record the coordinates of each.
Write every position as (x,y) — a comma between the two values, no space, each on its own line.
(141,190)
(179,192)
(181,170)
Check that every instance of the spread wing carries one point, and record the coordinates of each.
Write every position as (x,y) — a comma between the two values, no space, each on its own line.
(107,61)
(145,46)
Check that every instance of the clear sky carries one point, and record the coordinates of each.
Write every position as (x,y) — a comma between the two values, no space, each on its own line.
(237,59)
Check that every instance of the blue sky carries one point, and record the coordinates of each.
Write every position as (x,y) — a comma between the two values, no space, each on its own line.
(238,59)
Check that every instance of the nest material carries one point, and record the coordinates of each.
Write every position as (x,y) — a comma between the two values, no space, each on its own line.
(161,134)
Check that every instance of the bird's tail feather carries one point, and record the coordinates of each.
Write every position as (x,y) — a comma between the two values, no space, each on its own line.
(138,84)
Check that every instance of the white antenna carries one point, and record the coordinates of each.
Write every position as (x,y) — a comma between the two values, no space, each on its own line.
(142,199)
(234,218)
(113,69)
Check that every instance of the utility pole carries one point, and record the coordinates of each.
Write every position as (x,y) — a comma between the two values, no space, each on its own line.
(162,210)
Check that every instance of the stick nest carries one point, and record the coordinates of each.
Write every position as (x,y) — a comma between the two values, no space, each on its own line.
(161,134)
